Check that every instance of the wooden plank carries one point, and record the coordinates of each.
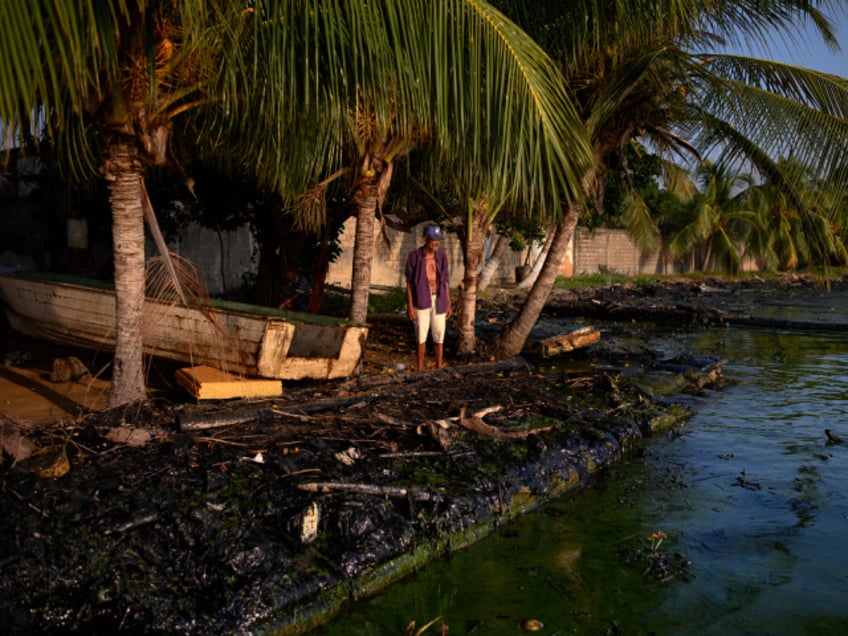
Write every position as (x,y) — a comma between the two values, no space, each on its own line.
(207,383)
(582,337)
(564,342)
(204,419)
(275,349)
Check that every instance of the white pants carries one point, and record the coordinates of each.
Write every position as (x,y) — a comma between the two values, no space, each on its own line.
(428,321)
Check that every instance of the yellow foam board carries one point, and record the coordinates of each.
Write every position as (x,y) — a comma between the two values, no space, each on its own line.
(208,383)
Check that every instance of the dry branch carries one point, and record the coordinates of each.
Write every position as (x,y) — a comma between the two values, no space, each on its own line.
(388,419)
(368,489)
(410,454)
(475,423)
(439,433)
(200,420)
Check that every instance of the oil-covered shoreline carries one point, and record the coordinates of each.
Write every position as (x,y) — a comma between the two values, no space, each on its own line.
(272,522)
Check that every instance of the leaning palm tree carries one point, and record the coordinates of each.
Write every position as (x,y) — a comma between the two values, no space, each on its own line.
(643,78)
(275,86)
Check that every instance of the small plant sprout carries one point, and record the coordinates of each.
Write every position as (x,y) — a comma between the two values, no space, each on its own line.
(660,566)
(656,540)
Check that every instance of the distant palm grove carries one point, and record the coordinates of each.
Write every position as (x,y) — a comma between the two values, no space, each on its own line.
(520,118)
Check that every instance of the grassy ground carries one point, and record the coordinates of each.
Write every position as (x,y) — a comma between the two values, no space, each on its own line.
(605,279)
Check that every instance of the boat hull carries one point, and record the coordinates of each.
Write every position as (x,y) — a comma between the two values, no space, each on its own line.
(234,337)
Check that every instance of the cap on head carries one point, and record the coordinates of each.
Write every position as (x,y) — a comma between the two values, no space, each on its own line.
(433,232)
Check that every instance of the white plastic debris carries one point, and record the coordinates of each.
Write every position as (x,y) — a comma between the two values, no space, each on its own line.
(258,458)
(309,523)
(348,457)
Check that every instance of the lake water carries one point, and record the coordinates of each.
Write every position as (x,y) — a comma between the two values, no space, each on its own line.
(752,498)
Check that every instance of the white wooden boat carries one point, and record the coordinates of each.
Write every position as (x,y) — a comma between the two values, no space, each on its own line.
(239,338)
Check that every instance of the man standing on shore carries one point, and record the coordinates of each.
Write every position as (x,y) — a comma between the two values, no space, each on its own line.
(428,302)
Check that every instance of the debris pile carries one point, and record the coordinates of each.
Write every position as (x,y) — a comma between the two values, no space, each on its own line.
(231,516)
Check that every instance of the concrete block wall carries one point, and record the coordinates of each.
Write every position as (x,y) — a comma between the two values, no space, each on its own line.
(603,249)
(613,250)
(590,253)
(221,259)
(389,261)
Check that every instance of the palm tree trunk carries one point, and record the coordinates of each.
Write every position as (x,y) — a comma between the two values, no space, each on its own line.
(539,263)
(124,171)
(365,198)
(512,338)
(472,250)
(705,260)
(320,279)
(492,263)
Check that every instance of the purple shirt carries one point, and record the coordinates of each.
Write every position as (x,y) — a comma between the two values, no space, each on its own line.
(416,275)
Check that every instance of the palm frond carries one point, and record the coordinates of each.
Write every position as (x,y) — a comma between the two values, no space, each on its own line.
(808,123)
(751,24)
(639,222)
(490,102)
(188,288)
(55,56)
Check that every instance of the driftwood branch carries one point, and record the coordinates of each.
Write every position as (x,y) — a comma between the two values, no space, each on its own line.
(396,492)
(297,416)
(410,454)
(565,342)
(475,423)
(440,430)
(218,440)
(200,420)
(302,471)
(388,419)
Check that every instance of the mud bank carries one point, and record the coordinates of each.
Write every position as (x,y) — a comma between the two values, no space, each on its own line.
(283,510)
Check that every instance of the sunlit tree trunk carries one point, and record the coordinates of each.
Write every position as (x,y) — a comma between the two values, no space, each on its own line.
(365,198)
(492,263)
(512,338)
(472,250)
(531,278)
(124,172)
(369,193)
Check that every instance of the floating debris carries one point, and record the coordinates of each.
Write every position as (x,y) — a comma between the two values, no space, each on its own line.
(258,458)
(531,625)
(832,437)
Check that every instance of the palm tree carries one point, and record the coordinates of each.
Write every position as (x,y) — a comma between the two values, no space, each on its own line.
(279,84)
(108,69)
(640,79)
(784,242)
(719,219)
(487,106)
